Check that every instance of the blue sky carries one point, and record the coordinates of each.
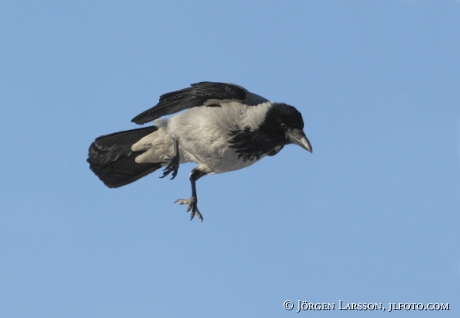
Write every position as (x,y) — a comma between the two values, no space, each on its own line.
(371,216)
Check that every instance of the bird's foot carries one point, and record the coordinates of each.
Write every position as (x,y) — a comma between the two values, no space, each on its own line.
(173,165)
(192,205)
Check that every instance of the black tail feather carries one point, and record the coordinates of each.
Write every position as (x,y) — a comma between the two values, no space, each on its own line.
(110,157)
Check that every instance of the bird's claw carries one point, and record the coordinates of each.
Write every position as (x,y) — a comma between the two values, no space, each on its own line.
(191,206)
(173,167)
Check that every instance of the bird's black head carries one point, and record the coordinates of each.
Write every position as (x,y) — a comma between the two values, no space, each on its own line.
(284,124)
(281,116)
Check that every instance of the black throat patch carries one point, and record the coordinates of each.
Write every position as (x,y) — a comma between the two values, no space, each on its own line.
(250,145)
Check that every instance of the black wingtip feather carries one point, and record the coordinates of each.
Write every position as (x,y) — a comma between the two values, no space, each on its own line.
(195,95)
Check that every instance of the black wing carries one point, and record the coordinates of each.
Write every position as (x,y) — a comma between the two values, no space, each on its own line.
(199,94)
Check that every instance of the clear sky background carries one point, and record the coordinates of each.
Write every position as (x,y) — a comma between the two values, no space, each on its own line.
(371,216)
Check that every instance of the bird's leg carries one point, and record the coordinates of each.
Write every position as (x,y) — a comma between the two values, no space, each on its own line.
(192,203)
(173,165)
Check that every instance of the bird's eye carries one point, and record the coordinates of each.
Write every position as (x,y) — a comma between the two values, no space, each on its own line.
(283,125)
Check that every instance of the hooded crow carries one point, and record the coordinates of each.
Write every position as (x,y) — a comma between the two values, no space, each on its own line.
(221,127)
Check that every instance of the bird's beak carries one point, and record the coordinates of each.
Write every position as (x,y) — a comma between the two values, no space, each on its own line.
(297,136)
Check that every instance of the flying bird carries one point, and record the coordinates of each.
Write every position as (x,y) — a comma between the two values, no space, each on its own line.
(221,127)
